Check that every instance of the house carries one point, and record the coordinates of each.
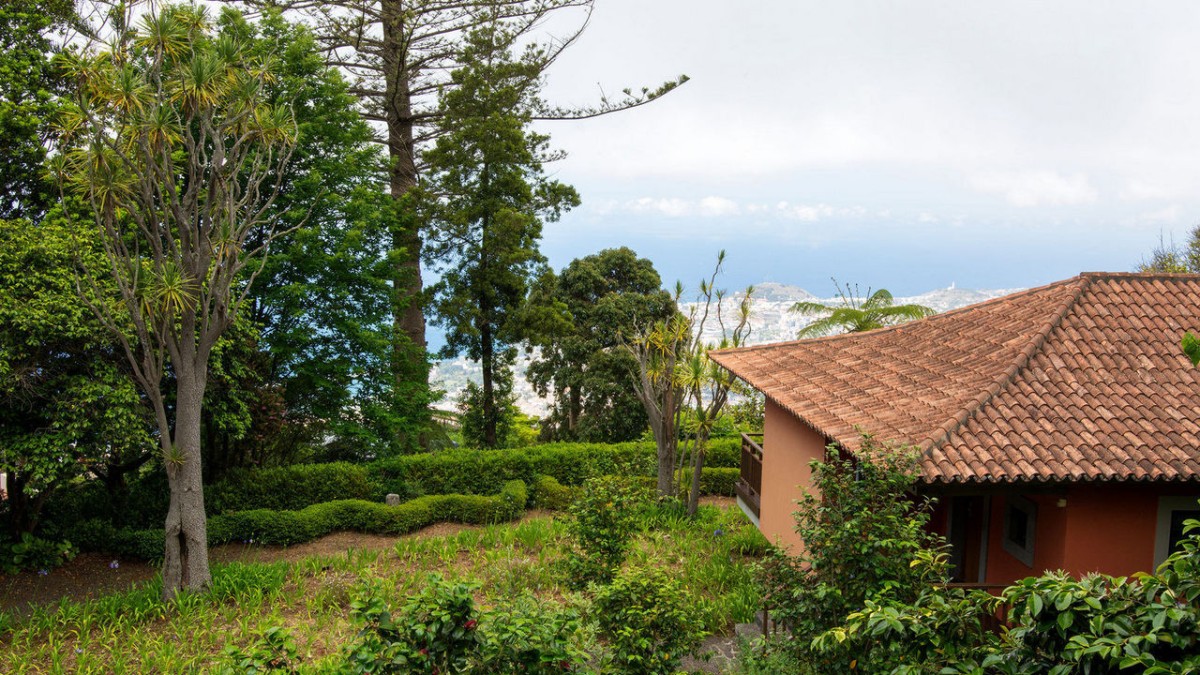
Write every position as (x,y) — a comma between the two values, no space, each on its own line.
(1059,427)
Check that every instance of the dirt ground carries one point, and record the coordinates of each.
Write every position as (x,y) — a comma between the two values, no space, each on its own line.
(91,575)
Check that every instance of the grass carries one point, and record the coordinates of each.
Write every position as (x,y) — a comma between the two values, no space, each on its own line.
(134,632)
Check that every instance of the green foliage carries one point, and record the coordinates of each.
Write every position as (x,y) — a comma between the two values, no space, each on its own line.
(290,487)
(433,632)
(273,652)
(548,493)
(862,532)
(856,315)
(647,622)
(438,629)
(284,528)
(66,400)
(486,198)
(602,529)
(468,472)
(1191,347)
(526,636)
(1174,259)
(606,296)
(473,408)
(27,102)
(31,553)
(941,628)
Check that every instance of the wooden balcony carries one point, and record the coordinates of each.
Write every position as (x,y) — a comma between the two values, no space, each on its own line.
(749,484)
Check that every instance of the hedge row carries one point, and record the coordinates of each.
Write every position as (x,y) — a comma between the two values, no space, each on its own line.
(448,472)
(272,527)
(293,488)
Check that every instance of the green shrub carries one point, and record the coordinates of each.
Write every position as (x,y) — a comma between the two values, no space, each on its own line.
(433,632)
(647,621)
(33,553)
(529,637)
(862,534)
(438,629)
(288,488)
(273,652)
(285,528)
(602,524)
(548,493)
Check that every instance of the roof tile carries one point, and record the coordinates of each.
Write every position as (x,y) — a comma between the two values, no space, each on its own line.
(1080,379)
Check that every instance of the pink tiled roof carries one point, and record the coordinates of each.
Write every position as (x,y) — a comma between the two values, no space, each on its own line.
(1083,379)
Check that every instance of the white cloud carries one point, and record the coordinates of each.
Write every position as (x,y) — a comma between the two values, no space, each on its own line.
(1036,188)
(721,207)
(1169,215)
(718,206)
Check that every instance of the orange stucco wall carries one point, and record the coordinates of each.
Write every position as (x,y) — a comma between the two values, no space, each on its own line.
(788,446)
(1108,528)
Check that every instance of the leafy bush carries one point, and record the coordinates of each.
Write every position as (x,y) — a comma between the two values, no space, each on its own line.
(548,493)
(647,621)
(439,630)
(274,652)
(862,532)
(33,553)
(529,637)
(433,632)
(602,524)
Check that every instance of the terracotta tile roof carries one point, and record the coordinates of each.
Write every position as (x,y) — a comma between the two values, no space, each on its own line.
(1082,379)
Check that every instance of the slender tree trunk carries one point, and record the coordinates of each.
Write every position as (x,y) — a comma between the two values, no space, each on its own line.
(408,312)
(488,361)
(697,471)
(667,440)
(574,408)
(185,560)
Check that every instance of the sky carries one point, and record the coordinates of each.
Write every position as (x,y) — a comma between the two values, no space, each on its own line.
(907,145)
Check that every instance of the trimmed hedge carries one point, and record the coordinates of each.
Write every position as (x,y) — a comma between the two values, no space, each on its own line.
(548,493)
(296,487)
(284,527)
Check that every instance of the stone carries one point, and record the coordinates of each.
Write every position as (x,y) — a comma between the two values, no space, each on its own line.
(392,499)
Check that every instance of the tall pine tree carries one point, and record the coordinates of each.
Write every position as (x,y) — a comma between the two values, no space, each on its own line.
(487,197)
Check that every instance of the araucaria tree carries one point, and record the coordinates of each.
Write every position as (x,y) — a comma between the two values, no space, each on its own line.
(175,149)
(487,197)
(401,53)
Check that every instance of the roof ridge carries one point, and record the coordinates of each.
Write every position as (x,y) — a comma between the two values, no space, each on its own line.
(1009,374)
(1008,297)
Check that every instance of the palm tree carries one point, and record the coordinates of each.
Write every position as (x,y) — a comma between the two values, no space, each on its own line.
(857,315)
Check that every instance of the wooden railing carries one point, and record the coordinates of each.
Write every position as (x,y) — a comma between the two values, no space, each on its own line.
(749,484)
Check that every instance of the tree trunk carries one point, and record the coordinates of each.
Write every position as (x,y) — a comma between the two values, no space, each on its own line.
(407,314)
(697,471)
(488,361)
(574,408)
(185,559)
(667,440)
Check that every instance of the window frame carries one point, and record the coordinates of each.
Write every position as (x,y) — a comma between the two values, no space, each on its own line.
(1022,551)
(1167,506)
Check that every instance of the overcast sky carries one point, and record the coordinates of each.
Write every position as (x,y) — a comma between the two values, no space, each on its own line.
(908,145)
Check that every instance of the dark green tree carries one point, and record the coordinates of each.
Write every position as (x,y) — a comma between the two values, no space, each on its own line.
(607,295)
(322,304)
(487,197)
(29,93)
(67,403)
(855,314)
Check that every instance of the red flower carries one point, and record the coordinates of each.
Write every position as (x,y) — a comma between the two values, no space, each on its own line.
(470,624)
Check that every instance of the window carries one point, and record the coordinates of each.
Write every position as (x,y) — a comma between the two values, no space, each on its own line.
(1172,512)
(1020,528)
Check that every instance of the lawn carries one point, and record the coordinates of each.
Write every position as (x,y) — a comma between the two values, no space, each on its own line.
(710,555)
